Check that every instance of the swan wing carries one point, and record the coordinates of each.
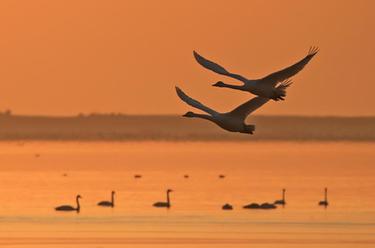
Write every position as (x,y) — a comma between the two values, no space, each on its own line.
(194,103)
(279,76)
(248,107)
(212,66)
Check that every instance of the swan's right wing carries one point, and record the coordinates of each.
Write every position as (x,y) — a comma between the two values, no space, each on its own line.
(248,107)
(212,66)
(194,103)
(290,71)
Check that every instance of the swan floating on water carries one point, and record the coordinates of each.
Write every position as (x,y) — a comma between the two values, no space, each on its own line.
(325,201)
(70,208)
(166,204)
(108,203)
(233,121)
(227,206)
(272,86)
(265,205)
(282,201)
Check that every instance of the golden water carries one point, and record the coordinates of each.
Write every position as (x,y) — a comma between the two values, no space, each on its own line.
(31,186)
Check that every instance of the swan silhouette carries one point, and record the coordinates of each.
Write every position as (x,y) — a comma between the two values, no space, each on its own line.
(265,205)
(233,121)
(325,201)
(70,208)
(227,206)
(108,203)
(166,204)
(272,86)
(282,201)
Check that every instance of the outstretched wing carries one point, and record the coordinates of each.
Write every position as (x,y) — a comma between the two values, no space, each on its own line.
(194,103)
(290,71)
(212,66)
(248,107)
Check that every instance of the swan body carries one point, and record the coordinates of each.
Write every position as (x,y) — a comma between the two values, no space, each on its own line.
(166,204)
(324,203)
(272,86)
(252,206)
(282,201)
(70,208)
(233,121)
(108,203)
(227,206)
(265,205)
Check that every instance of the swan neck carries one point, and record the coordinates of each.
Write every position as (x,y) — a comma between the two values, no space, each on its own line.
(325,195)
(113,199)
(78,206)
(236,87)
(168,200)
(284,195)
(204,116)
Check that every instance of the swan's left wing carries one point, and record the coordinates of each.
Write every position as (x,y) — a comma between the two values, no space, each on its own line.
(248,107)
(290,71)
(194,103)
(212,66)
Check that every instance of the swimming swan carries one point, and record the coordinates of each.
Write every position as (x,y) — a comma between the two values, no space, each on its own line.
(325,201)
(70,208)
(282,201)
(108,203)
(233,121)
(166,204)
(272,86)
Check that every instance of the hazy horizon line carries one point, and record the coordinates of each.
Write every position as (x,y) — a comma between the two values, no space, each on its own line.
(114,114)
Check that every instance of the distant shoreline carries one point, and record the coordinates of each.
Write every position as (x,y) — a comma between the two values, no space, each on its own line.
(118,127)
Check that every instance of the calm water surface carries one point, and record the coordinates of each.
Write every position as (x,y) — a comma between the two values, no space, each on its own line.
(31,186)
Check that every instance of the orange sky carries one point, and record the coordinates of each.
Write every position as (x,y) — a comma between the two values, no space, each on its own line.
(70,56)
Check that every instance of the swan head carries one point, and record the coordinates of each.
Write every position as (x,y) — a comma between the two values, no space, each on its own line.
(219,84)
(248,129)
(113,192)
(169,190)
(189,114)
(79,196)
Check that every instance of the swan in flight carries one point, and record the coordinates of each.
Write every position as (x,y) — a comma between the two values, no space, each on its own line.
(233,121)
(108,203)
(166,204)
(70,208)
(272,86)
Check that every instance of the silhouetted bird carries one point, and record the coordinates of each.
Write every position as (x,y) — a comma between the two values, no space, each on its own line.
(70,208)
(325,201)
(166,204)
(272,86)
(233,121)
(227,206)
(265,205)
(282,201)
(108,203)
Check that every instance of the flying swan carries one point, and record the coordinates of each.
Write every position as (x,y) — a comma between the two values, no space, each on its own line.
(233,121)
(272,86)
